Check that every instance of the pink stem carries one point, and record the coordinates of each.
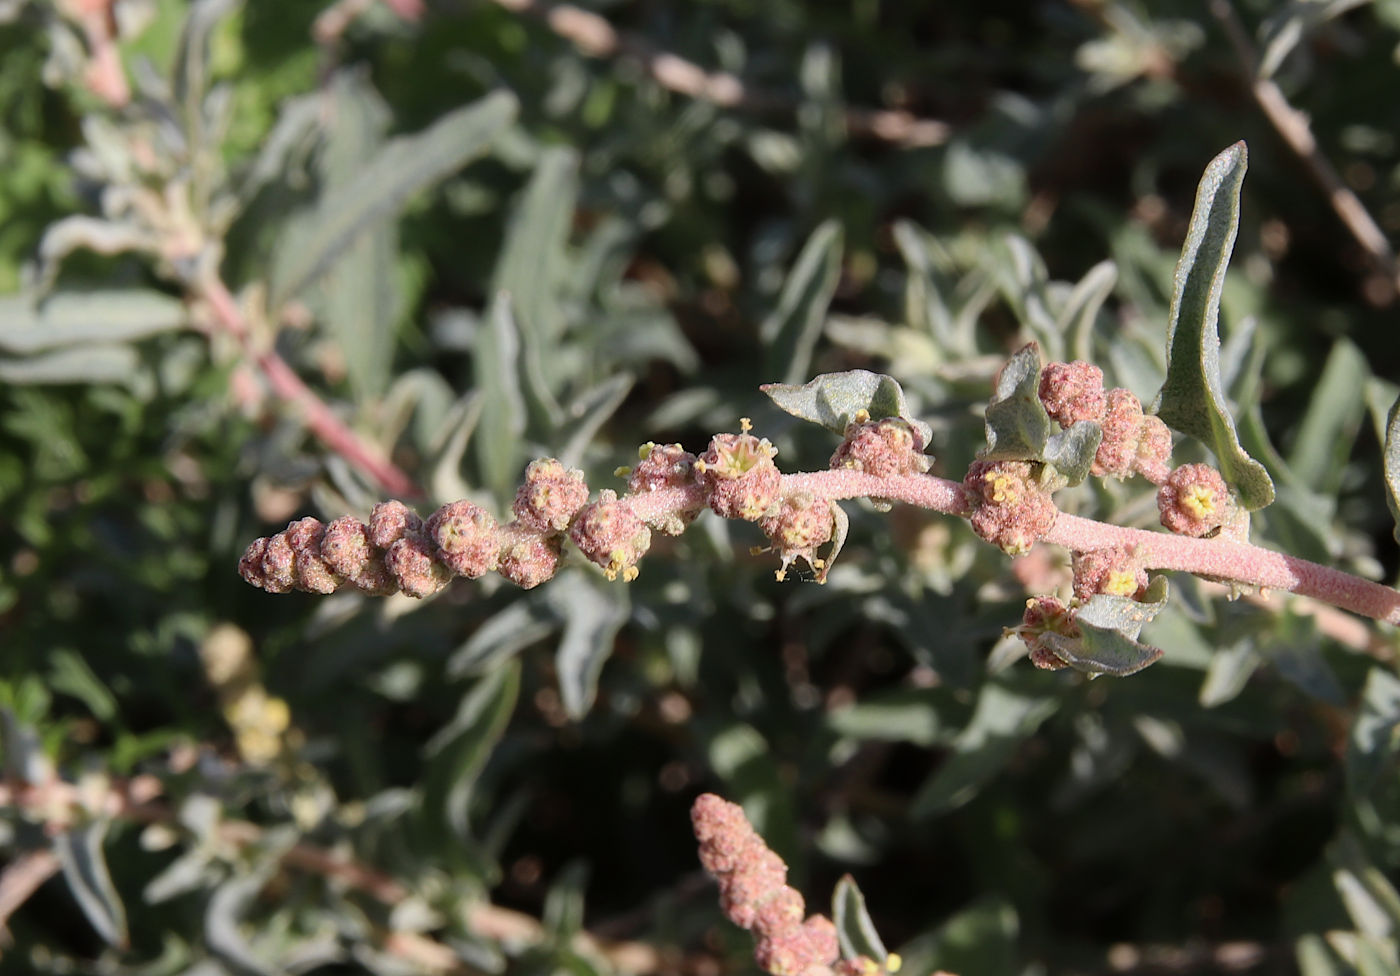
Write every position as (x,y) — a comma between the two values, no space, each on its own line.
(329,429)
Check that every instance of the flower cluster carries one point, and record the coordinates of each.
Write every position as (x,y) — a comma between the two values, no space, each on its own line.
(663,466)
(739,474)
(1113,570)
(1133,442)
(1011,508)
(1195,500)
(801,524)
(1046,615)
(755,895)
(884,448)
(610,535)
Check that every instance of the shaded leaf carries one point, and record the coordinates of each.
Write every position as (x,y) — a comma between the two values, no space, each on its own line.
(1392,465)
(79,851)
(1002,719)
(790,333)
(460,748)
(854,929)
(982,938)
(841,527)
(95,363)
(1335,414)
(1373,756)
(383,184)
(1018,428)
(1191,399)
(925,287)
(593,612)
(71,675)
(84,318)
(1229,671)
(496,367)
(1076,319)
(509,632)
(833,400)
(1109,627)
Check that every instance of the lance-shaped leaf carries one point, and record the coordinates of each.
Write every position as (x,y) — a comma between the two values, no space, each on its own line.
(1392,465)
(383,185)
(593,613)
(840,528)
(790,333)
(1108,628)
(1018,428)
(1192,399)
(833,400)
(854,929)
(80,855)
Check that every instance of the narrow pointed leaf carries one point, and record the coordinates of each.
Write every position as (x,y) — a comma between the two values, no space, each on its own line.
(384,184)
(791,332)
(593,613)
(85,318)
(1191,399)
(854,929)
(1392,465)
(84,866)
(1016,421)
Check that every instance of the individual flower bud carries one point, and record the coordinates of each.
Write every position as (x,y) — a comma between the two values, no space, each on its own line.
(1072,392)
(1194,500)
(1011,508)
(1046,615)
(1114,571)
(279,571)
(739,473)
(550,497)
(1153,454)
(783,911)
(530,560)
(1122,424)
(346,549)
(410,560)
(390,521)
(467,539)
(608,534)
(884,448)
(312,573)
(800,525)
(250,563)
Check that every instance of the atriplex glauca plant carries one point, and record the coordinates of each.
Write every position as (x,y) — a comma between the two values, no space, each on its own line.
(1049,426)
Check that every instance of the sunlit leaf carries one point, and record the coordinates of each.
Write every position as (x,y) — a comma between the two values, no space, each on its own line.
(854,929)
(790,333)
(833,400)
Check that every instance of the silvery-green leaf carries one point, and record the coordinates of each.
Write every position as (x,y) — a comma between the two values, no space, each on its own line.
(70,674)
(841,527)
(460,748)
(854,929)
(833,400)
(81,232)
(1109,627)
(1392,465)
(1071,452)
(95,363)
(1076,319)
(925,306)
(1335,413)
(82,318)
(1373,756)
(790,333)
(523,622)
(79,851)
(1002,719)
(593,612)
(1370,898)
(1023,281)
(1229,671)
(383,184)
(496,365)
(225,932)
(591,410)
(192,54)
(1191,399)
(1018,428)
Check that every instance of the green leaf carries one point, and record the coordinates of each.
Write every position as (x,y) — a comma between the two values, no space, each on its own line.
(1018,428)
(1077,317)
(381,187)
(790,333)
(593,612)
(1229,671)
(925,307)
(460,749)
(840,528)
(1373,756)
(1335,414)
(70,675)
(915,715)
(1002,719)
(84,318)
(95,363)
(854,929)
(834,399)
(496,365)
(1191,399)
(79,852)
(1109,627)
(1392,465)
(982,938)
(522,623)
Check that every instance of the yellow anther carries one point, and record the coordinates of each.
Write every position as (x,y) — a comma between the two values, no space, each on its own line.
(1200,501)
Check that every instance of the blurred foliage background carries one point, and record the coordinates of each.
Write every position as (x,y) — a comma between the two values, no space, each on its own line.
(487,231)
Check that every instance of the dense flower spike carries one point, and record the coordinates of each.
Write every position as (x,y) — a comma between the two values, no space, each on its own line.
(467,539)
(739,473)
(1122,424)
(550,497)
(1011,507)
(663,466)
(883,448)
(755,895)
(529,561)
(390,521)
(1072,392)
(1194,500)
(411,562)
(611,536)
(801,524)
(347,550)
(1114,571)
(312,573)
(1045,615)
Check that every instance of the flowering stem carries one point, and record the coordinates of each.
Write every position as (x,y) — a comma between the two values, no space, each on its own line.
(319,418)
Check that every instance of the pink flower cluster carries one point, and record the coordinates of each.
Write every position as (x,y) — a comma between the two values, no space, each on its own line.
(1133,442)
(739,473)
(801,524)
(755,895)
(1046,615)
(1195,500)
(1113,570)
(884,448)
(1011,508)
(663,466)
